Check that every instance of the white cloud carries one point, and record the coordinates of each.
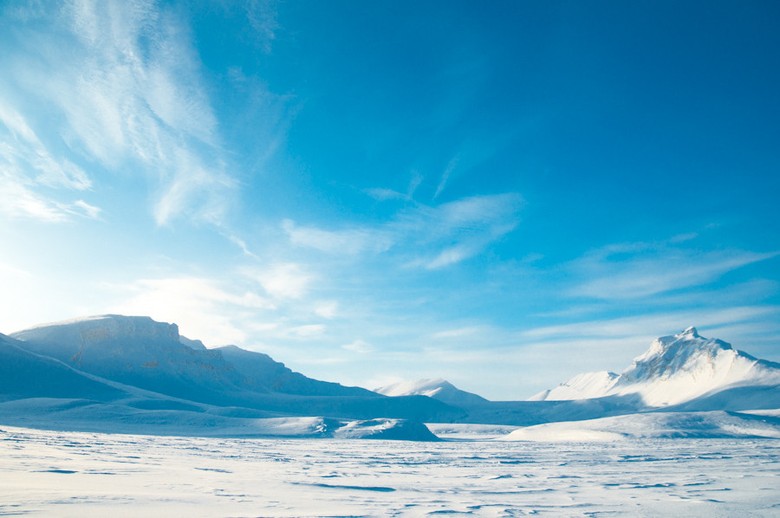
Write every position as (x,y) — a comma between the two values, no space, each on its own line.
(117,82)
(643,325)
(89,210)
(326,308)
(342,242)
(201,307)
(306,331)
(358,346)
(445,176)
(282,280)
(456,333)
(429,237)
(638,270)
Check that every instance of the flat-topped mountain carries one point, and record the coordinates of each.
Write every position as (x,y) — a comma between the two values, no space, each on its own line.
(140,352)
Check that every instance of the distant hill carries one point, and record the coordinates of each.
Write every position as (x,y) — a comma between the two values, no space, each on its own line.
(438,388)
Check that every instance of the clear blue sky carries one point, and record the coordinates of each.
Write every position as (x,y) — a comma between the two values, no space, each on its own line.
(502,194)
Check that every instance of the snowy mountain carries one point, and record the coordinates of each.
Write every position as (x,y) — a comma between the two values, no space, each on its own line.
(152,355)
(676,370)
(135,375)
(141,353)
(434,388)
(262,373)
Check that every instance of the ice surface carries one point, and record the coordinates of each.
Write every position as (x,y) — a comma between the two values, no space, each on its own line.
(91,474)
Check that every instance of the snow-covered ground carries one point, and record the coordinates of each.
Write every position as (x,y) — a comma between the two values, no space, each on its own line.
(91,474)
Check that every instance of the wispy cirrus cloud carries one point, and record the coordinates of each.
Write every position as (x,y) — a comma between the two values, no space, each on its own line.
(30,174)
(639,270)
(282,281)
(349,241)
(422,236)
(109,86)
(659,322)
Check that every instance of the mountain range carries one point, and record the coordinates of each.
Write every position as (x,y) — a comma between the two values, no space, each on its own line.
(135,375)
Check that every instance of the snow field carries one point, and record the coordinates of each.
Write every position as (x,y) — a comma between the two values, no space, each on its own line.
(94,474)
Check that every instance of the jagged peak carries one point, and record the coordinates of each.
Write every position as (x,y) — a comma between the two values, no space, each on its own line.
(690,332)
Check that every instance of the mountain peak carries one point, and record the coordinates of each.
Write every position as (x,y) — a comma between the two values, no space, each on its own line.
(675,369)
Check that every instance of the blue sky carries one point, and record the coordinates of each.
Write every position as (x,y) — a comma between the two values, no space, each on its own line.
(503,195)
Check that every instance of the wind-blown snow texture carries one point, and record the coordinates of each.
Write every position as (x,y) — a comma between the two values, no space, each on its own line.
(89,474)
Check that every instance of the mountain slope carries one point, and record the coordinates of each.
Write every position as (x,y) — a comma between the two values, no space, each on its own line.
(25,375)
(135,351)
(582,386)
(434,388)
(674,370)
(139,352)
(261,373)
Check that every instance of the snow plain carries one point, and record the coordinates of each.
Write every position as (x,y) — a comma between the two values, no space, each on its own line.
(93,474)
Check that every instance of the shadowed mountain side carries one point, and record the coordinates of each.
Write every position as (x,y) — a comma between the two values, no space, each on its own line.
(136,351)
(152,355)
(262,373)
(139,352)
(24,375)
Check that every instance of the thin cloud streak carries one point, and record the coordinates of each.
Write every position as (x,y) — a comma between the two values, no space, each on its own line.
(472,224)
(641,270)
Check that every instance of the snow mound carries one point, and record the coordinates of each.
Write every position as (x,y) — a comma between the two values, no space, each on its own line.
(385,429)
(437,388)
(674,370)
(655,425)
(169,417)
